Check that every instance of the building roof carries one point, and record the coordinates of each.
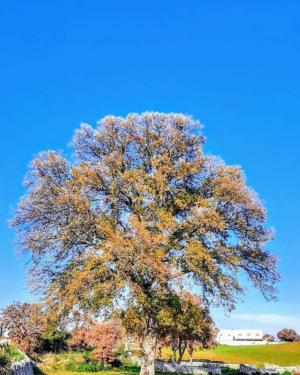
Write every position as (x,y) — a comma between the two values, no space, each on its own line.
(240,334)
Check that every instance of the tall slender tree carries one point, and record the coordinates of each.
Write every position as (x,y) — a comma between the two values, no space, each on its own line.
(140,213)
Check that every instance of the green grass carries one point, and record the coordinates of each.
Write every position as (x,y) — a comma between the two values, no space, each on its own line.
(287,354)
(79,362)
(64,364)
(15,354)
(104,372)
(281,354)
(10,355)
(61,362)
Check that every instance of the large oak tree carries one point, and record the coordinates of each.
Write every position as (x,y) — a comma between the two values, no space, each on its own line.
(139,214)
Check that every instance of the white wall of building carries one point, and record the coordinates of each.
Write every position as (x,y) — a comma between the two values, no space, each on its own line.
(236,337)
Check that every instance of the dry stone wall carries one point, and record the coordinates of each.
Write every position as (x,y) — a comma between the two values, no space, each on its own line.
(197,368)
(215,368)
(24,367)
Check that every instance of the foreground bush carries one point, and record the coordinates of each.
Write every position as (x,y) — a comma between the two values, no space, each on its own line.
(53,340)
(104,340)
(4,359)
(9,355)
(85,367)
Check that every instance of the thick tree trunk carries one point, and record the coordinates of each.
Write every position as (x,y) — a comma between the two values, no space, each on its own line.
(148,355)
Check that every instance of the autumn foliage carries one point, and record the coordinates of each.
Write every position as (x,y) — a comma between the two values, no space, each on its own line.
(186,326)
(140,213)
(103,338)
(25,325)
(80,339)
(288,335)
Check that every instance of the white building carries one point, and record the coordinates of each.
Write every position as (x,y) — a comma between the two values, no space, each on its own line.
(236,337)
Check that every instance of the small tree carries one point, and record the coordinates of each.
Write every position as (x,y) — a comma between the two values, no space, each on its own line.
(198,344)
(140,213)
(80,339)
(25,324)
(103,338)
(269,338)
(288,335)
(186,325)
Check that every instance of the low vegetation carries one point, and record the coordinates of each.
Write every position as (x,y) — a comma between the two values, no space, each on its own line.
(286,354)
(85,362)
(9,355)
(104,372)
(104,340)
(80,361)
(120,371)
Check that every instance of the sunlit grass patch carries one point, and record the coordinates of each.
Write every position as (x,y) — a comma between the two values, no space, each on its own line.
(9,355)
(287,354)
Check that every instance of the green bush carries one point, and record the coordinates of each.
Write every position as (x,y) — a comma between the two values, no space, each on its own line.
(11,354)
(88,357)
(85,367)
(15,354)
(54,340)
(4,359)
(129,368)
(229,371)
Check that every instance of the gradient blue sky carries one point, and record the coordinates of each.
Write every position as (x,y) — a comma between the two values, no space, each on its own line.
(233,65)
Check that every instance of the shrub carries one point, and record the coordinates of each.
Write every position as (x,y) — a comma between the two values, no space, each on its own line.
(80,339)
(4,359)
(288,335)
(54,340)
(269,338)
(85,367)
(102,338)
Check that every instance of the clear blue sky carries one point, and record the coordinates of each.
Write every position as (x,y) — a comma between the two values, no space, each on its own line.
(234,65)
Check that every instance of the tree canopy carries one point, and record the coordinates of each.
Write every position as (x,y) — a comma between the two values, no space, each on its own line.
(186,325)
(25,324)
(139,214)
(288,335)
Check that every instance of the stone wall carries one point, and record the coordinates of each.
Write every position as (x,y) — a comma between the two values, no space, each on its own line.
(268,369)
(215,368)
(24,367)
(193,367)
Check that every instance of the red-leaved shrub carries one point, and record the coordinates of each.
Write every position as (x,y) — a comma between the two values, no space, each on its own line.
(103,338)
(80,339)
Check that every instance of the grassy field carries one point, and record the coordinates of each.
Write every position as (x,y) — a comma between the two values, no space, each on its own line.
(75,362)
(109,372)
(281,354)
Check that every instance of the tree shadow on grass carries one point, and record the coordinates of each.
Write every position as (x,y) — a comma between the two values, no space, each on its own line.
(38,371)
